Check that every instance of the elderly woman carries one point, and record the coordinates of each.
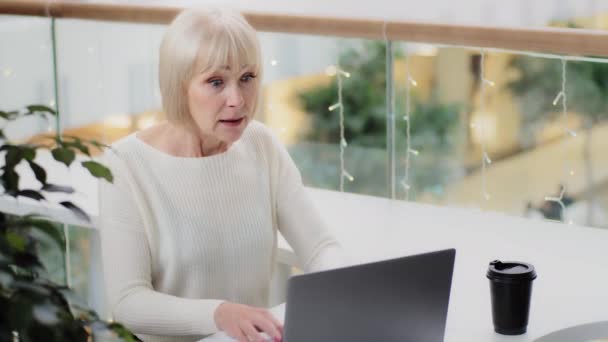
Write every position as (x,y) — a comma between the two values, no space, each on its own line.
(189,227)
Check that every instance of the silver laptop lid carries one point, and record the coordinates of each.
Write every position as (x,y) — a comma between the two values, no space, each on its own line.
(397,300)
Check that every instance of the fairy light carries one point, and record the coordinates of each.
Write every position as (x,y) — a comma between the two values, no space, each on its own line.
(562,97)
(411,80)
(485,158)
(559,200)
(339,73)
(273,62)
(331,70)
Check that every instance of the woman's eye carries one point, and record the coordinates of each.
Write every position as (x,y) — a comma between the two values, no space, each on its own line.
(216,83)
(247,77)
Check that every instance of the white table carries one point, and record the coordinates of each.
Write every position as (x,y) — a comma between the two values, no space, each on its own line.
(571,262)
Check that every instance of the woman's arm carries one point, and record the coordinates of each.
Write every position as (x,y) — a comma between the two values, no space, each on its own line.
(299,220)
(127,264)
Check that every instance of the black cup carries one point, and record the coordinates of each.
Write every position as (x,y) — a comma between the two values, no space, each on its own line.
(511,291)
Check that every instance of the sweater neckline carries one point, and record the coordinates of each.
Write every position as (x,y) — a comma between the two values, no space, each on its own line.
(195,160)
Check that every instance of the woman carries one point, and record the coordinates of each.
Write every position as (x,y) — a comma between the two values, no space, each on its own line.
(189,227)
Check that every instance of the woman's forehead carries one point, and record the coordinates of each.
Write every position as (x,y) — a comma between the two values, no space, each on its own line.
(227,68)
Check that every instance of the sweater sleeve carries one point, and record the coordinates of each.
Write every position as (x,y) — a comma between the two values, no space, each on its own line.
(299,220)
(127,264)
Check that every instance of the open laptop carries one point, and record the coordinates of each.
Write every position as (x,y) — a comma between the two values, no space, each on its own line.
(397,300)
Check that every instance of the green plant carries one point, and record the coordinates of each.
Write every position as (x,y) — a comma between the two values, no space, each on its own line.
(32,307)
(433,126)
(363,100)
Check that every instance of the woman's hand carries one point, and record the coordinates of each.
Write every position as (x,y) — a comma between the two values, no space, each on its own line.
(245,323)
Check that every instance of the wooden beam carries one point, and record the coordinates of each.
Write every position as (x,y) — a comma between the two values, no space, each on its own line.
(551,40)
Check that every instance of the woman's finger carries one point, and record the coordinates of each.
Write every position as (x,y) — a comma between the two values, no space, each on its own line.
(275,321)
(266,325)
(251,334)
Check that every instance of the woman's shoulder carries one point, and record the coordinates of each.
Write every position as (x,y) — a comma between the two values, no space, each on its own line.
(120,151)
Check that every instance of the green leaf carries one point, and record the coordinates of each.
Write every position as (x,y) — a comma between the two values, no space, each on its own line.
(10,180)
(39,172)
(29,152)
(99,145)
(33,194)
(77,143)
(64,155)
(32,288)
(41,108)
(44,226)
(13,156)
(98,170)
(122,332)
(6,277)
(58,188)
(16,241)
(9,115)
(75,210)
(46,313)
(28,262)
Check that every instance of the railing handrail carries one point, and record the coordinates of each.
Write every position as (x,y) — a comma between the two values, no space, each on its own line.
(549,40)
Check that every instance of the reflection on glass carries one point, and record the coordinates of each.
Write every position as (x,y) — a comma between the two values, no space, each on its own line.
(311,103)
(26,73)
(108,89)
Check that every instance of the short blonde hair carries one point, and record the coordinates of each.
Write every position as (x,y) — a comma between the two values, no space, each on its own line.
(199,40)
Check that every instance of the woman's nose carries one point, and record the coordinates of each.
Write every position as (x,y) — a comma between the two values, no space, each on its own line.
(234,97)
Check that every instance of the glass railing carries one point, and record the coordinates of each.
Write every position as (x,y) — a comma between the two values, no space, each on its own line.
(480,127)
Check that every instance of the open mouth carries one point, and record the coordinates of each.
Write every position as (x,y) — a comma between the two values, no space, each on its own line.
(232,122)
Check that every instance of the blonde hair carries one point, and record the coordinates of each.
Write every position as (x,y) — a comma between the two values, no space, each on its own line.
(199,40)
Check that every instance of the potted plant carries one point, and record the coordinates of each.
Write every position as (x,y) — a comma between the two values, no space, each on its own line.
(32,307)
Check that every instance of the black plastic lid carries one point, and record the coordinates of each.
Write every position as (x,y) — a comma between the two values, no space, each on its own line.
(510,270)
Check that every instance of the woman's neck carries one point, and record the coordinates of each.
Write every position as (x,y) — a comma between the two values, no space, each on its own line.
(182,142)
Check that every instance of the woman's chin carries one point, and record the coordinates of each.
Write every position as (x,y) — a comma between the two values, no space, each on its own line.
(231,134)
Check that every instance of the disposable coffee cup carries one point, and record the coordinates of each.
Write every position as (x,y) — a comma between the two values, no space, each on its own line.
(511,292)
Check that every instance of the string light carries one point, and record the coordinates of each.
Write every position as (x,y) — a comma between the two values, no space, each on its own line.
(488,82)
(7,72)
(485,158)
(411,82)
(568,133)
(559,200)
(335,70)
(334,106)
(274,62)
(330,70)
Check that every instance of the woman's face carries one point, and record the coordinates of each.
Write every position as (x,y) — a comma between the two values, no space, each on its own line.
(221,102)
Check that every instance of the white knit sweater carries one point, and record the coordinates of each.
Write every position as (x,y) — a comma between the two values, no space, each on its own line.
(182,235)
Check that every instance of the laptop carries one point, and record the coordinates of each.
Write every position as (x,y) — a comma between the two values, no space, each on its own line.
(398,300)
